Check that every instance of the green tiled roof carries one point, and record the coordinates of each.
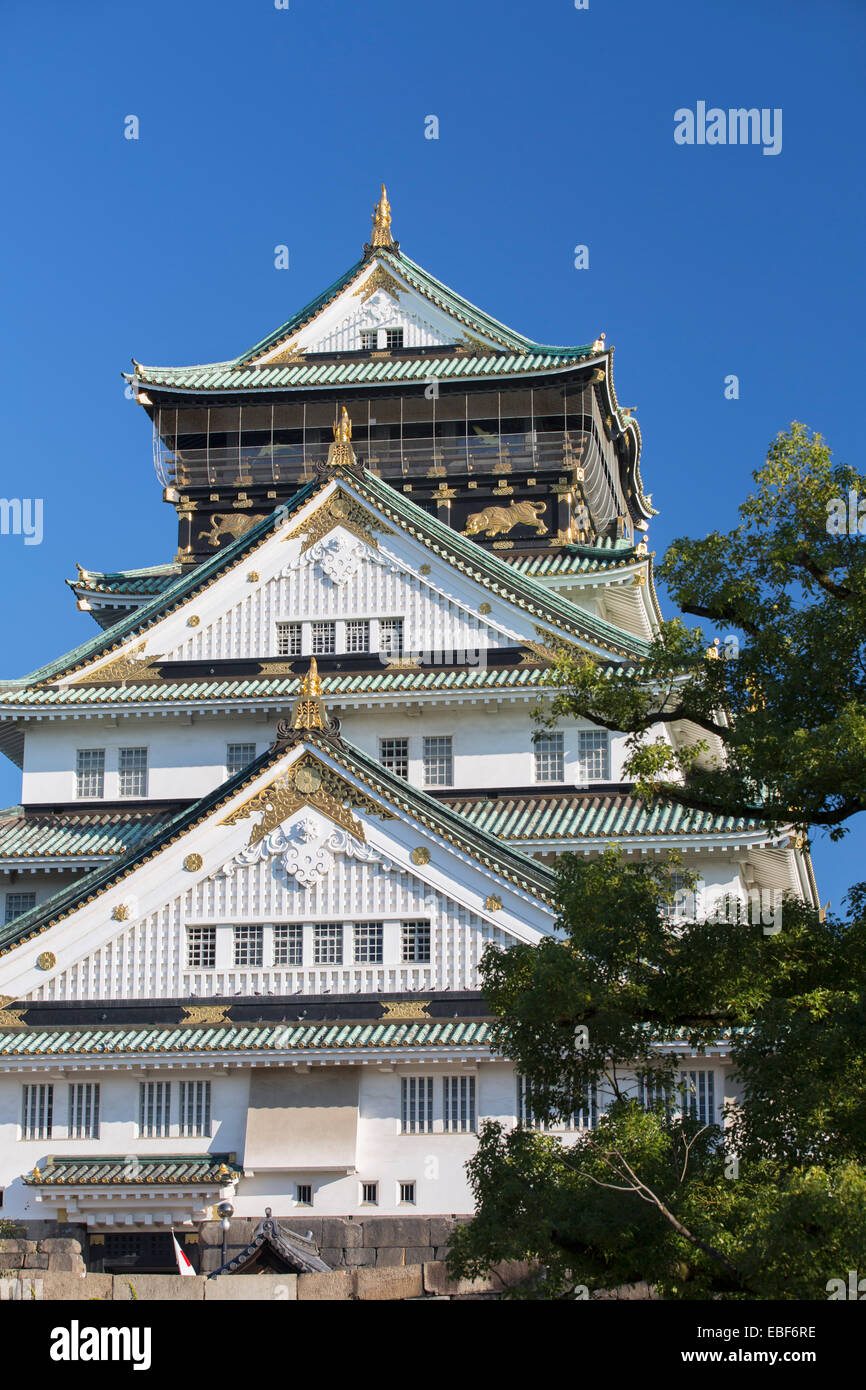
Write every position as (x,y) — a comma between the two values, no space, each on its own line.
(589,815)
(354,371)
(152,579)
(88,835)
(461,551)
(336,685)
(235,1037)
(575,560)
(145,1171)
(512,864)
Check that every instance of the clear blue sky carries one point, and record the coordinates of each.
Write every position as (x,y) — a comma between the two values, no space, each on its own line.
(260,127)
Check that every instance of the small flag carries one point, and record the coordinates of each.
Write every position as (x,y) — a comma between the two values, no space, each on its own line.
(183,1264)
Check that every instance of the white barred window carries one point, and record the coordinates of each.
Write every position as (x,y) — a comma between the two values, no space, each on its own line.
(416,941)
(90,772)
(154,1109)
(17,904)
(391,636)
(550,757)
(394,755)
(323,638)
(698,1095)
(239,756)
(37,1111)
(328,943)
(195,1109)
(369,1194)
(407,1193)
(458,1095)
(201,947)
(368,943)
(288,639)
(249,945)
(584,1115)
(593,749)
(288,945)
(84,1110)
(393,338)
(368,339)
(132,772)
(416,1104)
(438,761)
(358,635)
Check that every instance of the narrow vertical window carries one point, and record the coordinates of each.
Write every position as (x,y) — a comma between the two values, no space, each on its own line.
(593,749)
(328,943)
(84,1110)
(201,947)
(394,755)
(416,1104)
(132,772)
(391,636)
(416,941)
(438,761)
(37,1111)
(249,945)
(368,943)
(288,945)
(698,1091)
(358,635)
(459,1104)
(323,638)
(288,639)
(154,1109)
(195,1109)
(550,757)
(90,772)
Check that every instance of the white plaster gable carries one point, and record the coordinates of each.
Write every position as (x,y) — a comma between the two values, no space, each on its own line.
(129,939)
(379,298)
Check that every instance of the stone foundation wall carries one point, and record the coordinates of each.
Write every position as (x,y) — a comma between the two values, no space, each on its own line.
(345,1242)
(53,1254)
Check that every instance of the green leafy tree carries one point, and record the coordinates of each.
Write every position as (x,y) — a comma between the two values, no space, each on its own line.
(770,1207)
(778,700)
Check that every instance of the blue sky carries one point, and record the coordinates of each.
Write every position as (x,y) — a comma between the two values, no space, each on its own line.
(261,127)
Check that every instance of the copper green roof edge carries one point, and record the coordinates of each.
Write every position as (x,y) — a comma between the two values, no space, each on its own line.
(548,606)
(351,373)
(511,863)
(594,815)
(151,580)
(263,687)
(183,588)
(276,1037)
(93,1170)
(25,837)
(302,316)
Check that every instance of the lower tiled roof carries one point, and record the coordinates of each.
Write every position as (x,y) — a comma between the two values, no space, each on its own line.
(61,1170)
(153,579)
(82,834)
(233,1037)
(570,815)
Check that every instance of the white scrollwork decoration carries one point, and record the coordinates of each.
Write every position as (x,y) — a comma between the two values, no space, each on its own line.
(306,850)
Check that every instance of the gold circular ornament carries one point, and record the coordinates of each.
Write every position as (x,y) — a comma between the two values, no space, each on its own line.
(46,961)
(308,780)
(252,577)
(423,569)
(120,913)
(193,862)
(484,608)
(193,620)
(339,506)
(420,855)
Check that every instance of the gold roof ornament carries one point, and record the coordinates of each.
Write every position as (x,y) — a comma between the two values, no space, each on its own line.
(309,711)
(341,453)
(382,224)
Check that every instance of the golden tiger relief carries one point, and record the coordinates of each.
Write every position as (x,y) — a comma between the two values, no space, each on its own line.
(495,521)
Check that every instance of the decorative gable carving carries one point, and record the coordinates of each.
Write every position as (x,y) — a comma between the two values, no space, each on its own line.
(305,849)
(307,782)
(339,510)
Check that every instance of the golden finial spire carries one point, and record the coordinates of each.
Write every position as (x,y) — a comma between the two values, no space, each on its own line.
(309,712)
(341,451)
(382,236)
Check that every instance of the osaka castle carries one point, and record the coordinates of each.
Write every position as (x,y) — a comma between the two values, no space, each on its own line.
(286,790)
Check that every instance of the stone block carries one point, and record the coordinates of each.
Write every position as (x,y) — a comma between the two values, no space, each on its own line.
(165,1288)
(436,1281)
(363,1255)
(327,1288)
(16,1246)
(260,1288)
(336,1231)
(390,1256)
(441,1228)
(440,1252)
(75,1287)
(396,1230)
(302,1224)
(210,1259)
(36,1261)
(66,1264)
(380,1284)
(333,1256)
(57,1245)
(11,1261)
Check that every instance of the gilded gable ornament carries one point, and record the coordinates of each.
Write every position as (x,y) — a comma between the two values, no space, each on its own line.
(306,849)
(11,1018)
(382,235)
(380,279)
(497,521)
(132,665)
(46,961)
(339,510)
(309,710)
(307,782)
(206,1013)
(405,1008)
